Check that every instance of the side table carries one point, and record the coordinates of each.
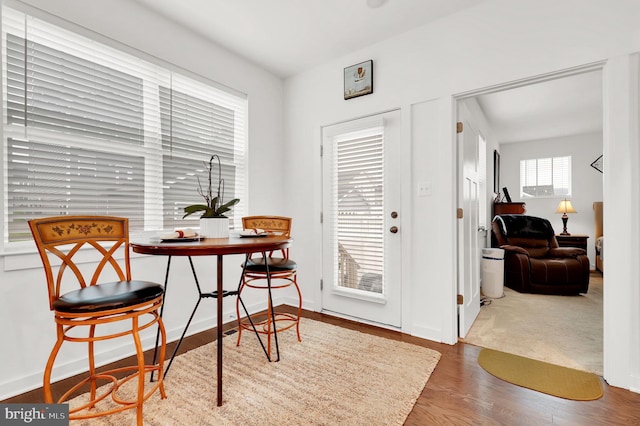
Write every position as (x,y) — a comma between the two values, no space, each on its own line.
(572,240)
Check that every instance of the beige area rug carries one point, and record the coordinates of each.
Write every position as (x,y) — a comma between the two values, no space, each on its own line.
(561,330)
(335,376)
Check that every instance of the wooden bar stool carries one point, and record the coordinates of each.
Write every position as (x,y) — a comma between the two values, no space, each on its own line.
(255,273)
(60,240)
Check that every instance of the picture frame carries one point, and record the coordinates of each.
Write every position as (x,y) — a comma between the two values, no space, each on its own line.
(506,194)
(496,171)
(358,80)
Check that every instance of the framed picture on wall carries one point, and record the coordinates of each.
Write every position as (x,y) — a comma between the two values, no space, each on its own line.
(496,171)
(358,79)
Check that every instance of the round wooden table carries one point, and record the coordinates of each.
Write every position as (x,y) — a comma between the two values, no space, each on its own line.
(212,247)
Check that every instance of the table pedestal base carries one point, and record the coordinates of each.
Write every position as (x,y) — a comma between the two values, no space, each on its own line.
(215,294)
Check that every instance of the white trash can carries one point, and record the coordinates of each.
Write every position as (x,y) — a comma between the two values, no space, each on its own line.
(493,272)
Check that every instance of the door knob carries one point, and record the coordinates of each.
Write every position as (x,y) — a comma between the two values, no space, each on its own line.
(393,229)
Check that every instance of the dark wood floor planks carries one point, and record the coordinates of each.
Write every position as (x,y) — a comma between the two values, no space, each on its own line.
(460,392)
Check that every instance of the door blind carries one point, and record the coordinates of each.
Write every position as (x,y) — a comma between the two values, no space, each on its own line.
(357,211)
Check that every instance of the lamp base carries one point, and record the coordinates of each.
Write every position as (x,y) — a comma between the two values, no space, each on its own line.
(565,219)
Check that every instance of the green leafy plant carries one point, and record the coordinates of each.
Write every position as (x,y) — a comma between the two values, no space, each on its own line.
(214,206)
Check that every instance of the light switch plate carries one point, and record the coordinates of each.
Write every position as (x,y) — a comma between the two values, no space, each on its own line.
(424,189)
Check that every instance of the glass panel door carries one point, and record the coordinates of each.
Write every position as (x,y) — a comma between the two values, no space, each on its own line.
(361,242)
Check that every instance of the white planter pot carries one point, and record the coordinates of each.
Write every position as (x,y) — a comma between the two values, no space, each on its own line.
(214,227)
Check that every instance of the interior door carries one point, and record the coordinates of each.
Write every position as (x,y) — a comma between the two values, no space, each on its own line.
(361,219)
(470,231)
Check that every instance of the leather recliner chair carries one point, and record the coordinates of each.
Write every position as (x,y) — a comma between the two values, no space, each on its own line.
(534,263)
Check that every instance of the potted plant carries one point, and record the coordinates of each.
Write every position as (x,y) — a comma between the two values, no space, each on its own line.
(213,222)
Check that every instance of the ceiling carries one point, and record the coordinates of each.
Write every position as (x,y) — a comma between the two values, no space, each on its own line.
(565,106)
(291,36)
(288,37)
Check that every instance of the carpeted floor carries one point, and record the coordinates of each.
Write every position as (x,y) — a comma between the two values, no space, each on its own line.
(334,376)
(562,330)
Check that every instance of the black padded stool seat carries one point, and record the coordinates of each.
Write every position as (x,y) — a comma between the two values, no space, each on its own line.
(113,295)
(275,264)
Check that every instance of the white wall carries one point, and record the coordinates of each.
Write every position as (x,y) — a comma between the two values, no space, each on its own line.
(27,331)
(586,181)
(419,72)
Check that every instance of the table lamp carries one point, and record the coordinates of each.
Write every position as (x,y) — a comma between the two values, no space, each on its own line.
(565,207)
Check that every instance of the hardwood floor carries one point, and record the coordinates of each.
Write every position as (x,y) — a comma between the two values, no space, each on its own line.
(460,392)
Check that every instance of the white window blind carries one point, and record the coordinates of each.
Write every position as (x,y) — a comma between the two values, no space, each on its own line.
(545,177)
(195,125)
(90,129)
(358,208)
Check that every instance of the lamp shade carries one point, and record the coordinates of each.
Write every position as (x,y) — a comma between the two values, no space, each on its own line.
(565,207)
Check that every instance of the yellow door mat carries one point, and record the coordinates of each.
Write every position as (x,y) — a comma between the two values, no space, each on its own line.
(541,376)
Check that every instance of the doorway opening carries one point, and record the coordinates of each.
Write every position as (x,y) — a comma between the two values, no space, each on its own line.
(560,112)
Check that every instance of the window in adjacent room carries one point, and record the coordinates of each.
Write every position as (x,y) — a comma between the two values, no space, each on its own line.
(545,177)
(90,129)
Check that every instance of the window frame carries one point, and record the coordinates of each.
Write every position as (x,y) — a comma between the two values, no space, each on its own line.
(564,167)
(152,221)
